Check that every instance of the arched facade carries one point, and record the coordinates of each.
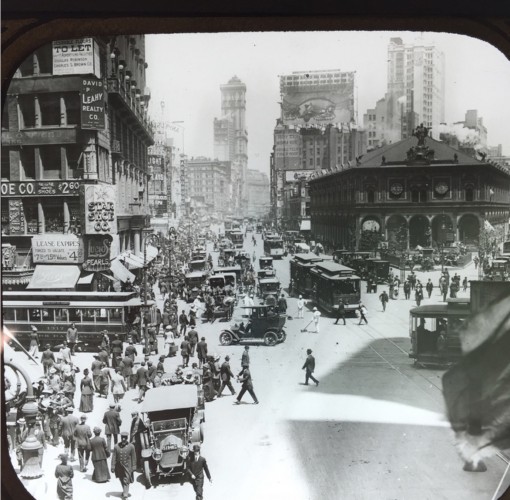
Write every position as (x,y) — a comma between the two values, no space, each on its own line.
(419,231)
(469,229)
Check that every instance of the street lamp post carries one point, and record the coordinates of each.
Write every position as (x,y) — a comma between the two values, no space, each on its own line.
(153,239)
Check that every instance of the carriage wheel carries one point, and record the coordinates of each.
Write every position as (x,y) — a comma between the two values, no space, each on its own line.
(270,338)
(225,338)
(147,473)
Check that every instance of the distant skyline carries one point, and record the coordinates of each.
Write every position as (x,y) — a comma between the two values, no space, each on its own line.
(186,71)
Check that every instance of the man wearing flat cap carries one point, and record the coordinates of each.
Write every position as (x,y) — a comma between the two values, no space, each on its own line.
(226,377)
(124,463)
(136,429)
(112,422)
(197,465)
(82,435)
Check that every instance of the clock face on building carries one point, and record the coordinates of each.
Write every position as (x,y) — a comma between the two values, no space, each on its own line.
(396,188)
(441,188)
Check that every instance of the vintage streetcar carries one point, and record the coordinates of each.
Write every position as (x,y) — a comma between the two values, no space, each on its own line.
(300,267)
(332,282)
(51,312)
(273,246)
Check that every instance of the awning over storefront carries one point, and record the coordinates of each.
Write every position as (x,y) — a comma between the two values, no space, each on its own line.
(305,225)
(120,272)
(86,280)
(152,253)
(54,277)
(130,260)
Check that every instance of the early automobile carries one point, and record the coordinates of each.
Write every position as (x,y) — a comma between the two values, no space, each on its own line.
(173,425)
(255,323)
(269,286)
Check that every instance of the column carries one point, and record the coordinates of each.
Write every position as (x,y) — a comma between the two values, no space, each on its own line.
(67,218)
(136,236)
(37,112)
(40,219)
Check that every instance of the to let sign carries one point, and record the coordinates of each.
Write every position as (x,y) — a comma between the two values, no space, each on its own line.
(92,103)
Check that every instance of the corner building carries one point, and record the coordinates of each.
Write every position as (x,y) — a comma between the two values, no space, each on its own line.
(75,134)
(391,187)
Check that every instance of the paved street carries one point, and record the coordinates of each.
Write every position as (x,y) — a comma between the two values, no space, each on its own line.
(374,428)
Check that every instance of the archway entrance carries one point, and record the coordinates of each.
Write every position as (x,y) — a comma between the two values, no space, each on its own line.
(441,225)
(469,229)
(419,232)
(396,229)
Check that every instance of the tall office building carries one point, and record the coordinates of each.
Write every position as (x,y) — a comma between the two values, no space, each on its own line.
(233,106)
(416,88)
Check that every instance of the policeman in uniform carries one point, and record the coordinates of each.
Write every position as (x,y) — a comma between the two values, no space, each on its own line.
(124,463)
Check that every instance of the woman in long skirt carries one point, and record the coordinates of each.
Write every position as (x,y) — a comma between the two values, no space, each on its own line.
(64,474)
(99,454)
(34,342)
(87,393)
(118,385)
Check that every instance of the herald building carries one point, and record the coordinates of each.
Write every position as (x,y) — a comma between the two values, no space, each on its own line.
(75,134)
(427,189)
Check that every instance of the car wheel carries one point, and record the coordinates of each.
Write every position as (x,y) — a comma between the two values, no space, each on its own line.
(147,473)
(282,336)
(225,338)
(270,338)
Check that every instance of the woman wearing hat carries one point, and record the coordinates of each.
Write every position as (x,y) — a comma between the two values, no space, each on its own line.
(87,393)
(64,474)
(98,454)
(47,359)
(34,342)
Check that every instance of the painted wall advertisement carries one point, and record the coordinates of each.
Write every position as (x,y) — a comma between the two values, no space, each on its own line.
(57,249)
(97,252)
(98,209)
(16,217)
(92,104)
(76,56)
(318,105)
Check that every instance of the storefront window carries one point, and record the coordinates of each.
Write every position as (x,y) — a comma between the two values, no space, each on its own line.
(30,209)
(54,217)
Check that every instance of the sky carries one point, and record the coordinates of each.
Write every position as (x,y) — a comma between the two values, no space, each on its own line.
(186,70)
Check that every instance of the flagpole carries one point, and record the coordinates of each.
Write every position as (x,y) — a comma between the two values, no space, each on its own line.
(495,496)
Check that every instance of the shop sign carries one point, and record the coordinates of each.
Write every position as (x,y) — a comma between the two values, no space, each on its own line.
(39,188)
(78,56)
(16,217)
(102,264)
(99,209)
(98,246)
(8,257)
(92,104)
(57,249)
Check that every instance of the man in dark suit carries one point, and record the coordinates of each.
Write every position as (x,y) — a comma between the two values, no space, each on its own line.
(309,366)
(82,435)
(103,356)
(116,347)
(197,465)
(112,422)
(193,341)
(245,379)
(202,352)
(245,359)
(141,380)
(124,463)
(226,376)
(137,428)
(185,350)
(341,311)
(67,426)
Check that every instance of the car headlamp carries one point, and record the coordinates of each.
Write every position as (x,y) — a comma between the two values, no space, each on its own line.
(157,454)
(184,452)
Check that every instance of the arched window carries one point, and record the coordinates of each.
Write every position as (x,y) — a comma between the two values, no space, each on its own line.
(415,196)
(469,193)
(370,196)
